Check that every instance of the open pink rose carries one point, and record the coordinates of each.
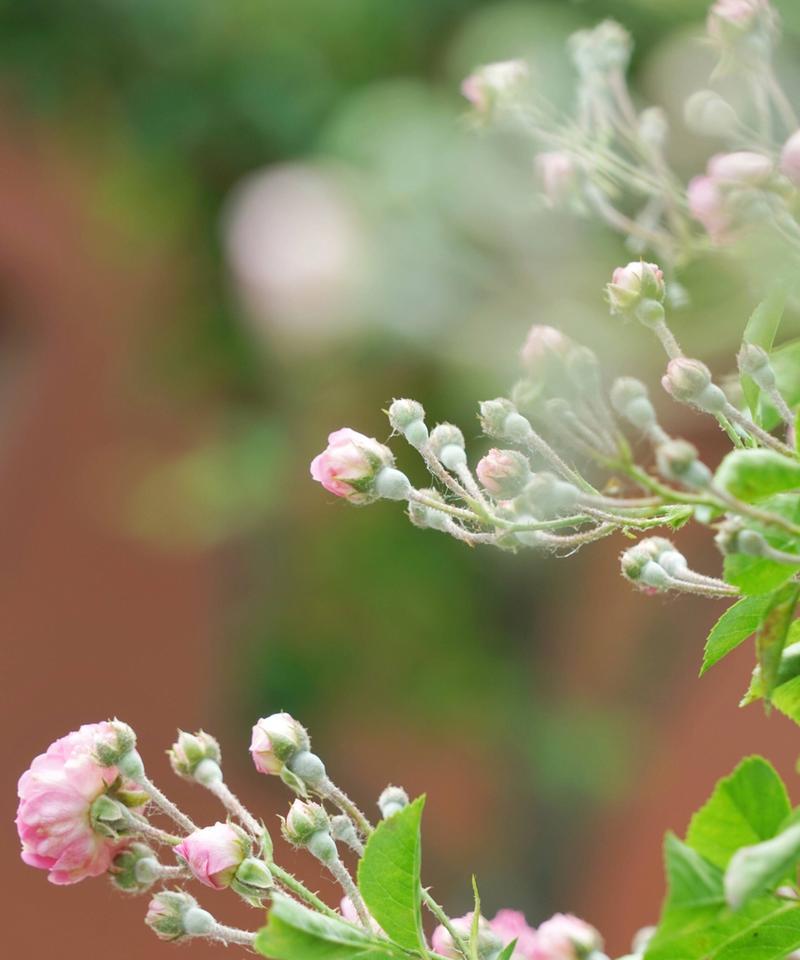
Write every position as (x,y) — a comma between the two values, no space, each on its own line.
(55,799)
(214,854)
(347,467)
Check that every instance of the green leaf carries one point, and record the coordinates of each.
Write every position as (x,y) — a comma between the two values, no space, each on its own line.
(786,364)
(752,475)
(788,669)
(735,625)
(756,869)
(772,635)
(388,875)
(508,950)
(745,808)
(755,575)
(696,924)
(786,698)
(294,932)
(760,330)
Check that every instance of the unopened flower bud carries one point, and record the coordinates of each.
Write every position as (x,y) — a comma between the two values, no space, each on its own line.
(653,126)
(742,168)
(307,767)
(754,361)
(307,825)
(689,381)
(677,460)
(583,369)
(640,567)
(600,49)
(496,85)
(190,750)
(630,400)
(252,880)
(408,417)
(707,113)
(733,537)
(542,346)
(392,484)
(503,473)
(198,922)
(134,869)
(790,159)
(303,820)
(113,741)
(737,23)
(501,419)
(447,443)
(392,800)
(565,935)
(349,465)
(488,945)
(427,517)
(108,817)
(276,739)
(214,853)
(166,912)
(636,286)
(557,175)
(547,496)
(343,831)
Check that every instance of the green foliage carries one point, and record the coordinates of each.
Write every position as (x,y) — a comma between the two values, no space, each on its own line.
(755,575)
(745,813)
(294,932)
(388,876)
(735,625)
(745,808)
(760,330)
(752,475)
(772,635)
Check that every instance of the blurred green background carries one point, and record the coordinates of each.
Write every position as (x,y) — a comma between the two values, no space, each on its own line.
(332,235)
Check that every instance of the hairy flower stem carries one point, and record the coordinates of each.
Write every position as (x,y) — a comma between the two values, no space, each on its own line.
(755,513)
(459,941)
(447,508)
(146,829)
(754,430)
(345,881)
(291,883)
(229,935)
(434,465)
(165,804)
(234,806)
(536,444)
(329,791)
(668,340)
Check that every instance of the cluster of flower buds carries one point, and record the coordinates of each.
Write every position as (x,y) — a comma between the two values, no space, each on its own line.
(80,816)
(538,486)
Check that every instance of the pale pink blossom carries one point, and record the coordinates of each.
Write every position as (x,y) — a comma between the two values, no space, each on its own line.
(541,345)
(55,798)
(729,18)
(743,167)
(511,925)
(503,473)
(790,159)
(495,80)
(214,854)
(707,205)
(556,172)
(565,937)
(347,467)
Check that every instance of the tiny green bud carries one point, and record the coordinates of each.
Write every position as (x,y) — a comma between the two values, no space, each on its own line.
(392,800)
(134,869)
(190,750)
(308,767)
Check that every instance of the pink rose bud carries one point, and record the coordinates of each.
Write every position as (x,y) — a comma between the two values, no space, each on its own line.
(349,465)
(742,168)
(276,740)
(790,159)
(54,816)
(495,84)
(166,912)
(542,347)
(557,175)
(564,937)
(503,473)
(731,20)
(214,854)
(633,285)
(190,750)
(708,206)
(113,741)
(488,941)
(511,925)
